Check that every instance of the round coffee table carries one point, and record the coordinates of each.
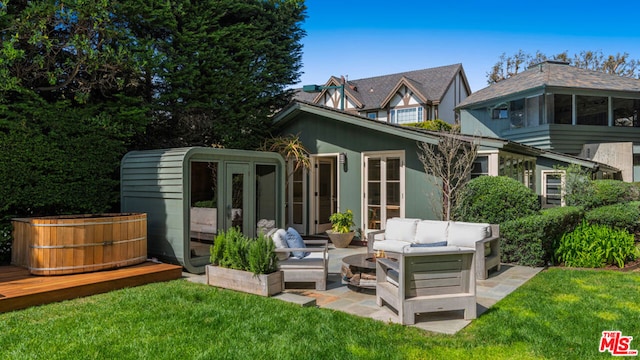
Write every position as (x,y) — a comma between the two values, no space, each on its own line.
(359,271)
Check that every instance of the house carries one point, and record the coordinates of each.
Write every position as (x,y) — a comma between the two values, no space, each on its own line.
(565,109)
(372,167)
(408,97)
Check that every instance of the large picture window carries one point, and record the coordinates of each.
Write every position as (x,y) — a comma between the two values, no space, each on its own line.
(407,115)
(626,112)
(560,109)
(591,110)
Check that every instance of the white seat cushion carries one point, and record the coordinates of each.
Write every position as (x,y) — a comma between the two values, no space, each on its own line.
(314,260)
(431,231)
(400,229)
(467,234)
(390,245)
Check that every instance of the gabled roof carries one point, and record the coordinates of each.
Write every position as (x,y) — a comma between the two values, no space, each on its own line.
(414,86)
(431,84)
(290,112)
(552,74)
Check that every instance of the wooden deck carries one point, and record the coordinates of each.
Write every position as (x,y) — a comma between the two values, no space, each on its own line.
(19,289)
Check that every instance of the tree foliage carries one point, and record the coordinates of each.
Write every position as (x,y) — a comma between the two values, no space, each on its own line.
(83,81)
(448,167)
(223,70)
(618,64)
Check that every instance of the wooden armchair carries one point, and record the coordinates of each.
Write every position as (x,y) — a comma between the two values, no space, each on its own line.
(312,268)
(428,281)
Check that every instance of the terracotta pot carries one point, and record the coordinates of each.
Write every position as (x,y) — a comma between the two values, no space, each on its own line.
(341,240)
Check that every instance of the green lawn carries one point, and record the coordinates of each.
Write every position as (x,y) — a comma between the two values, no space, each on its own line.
(560,314)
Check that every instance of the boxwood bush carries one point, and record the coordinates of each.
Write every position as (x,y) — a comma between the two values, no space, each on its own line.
(619,216)
(495,199)
(531,240)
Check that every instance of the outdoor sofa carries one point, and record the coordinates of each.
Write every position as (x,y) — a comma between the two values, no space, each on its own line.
(401,233)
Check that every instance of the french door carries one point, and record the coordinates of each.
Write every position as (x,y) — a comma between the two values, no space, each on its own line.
(325,192)
(383,188)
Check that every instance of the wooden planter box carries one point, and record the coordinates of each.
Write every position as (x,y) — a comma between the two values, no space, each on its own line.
(245,281)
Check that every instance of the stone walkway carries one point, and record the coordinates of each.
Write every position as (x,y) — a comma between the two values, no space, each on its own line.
(363,303)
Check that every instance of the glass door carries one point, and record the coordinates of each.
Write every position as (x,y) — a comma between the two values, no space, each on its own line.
(384,189)
(237,198)
(326,197)
(296,197)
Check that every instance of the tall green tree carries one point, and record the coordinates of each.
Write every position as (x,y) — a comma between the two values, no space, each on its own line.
(70,103)
(223,68)
(618,64)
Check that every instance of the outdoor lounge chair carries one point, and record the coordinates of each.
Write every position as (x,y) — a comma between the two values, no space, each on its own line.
(428,280)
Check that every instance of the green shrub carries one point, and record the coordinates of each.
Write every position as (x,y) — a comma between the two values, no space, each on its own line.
(262,257)
(233,250)
(619,216)
(595,246)
(206,204)
(530,240)
(5,240)
(595,193)
(495,199)
(432,125)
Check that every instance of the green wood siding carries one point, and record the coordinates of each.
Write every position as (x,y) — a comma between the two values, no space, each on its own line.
(322,135)
(157,182)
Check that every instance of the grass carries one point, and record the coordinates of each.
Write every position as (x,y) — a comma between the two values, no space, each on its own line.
(558,314)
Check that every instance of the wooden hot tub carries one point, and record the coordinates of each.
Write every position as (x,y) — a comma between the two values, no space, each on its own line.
(71,244)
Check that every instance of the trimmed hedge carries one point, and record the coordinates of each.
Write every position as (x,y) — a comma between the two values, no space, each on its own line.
(495,199)
(531,240)
(596,193)
(618,216)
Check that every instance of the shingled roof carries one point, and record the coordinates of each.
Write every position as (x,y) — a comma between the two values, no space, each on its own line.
(553,74)
(372,92)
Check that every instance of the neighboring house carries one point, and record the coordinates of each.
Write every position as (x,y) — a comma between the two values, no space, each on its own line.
(408,97)
(554,106)
(372,168)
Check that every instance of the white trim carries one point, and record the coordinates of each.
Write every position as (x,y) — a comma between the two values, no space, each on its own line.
(382,155)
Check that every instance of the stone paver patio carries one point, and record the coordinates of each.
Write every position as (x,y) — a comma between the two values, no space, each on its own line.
(363,303)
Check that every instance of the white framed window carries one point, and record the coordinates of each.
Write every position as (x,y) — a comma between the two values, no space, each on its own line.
(372,115)
(553,188)
(407,115)
(480,166)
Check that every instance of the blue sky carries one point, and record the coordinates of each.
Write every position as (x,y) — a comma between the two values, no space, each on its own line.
(360,38)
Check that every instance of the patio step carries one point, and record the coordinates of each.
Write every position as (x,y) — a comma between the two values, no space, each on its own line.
(303,301)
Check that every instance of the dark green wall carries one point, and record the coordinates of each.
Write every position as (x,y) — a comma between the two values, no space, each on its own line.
(323,135)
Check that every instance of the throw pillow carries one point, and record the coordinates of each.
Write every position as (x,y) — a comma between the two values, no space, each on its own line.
(279,238)
(433,244)
(294,240)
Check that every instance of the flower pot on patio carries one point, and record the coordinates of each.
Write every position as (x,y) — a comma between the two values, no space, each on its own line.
(245,281)
(341,240)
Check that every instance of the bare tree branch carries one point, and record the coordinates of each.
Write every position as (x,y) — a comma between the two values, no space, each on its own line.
(448,168)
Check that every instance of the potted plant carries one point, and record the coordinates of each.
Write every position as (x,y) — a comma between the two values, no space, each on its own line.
(341,233)
(244,264)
